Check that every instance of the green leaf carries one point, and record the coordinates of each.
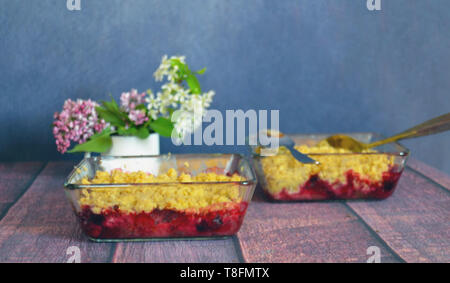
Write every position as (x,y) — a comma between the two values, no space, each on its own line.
(183,70)
(170,110)
(142,133)
(201,72)
(162,126)
(141,107)
(193,84)
(122,131)
(147,124)
(97,143)
(110,117)
(113,104)
(111,113)
(186,74)
(114,108)
(106,131)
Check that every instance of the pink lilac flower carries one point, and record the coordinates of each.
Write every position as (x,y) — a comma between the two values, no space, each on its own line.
(76,122)
(129,100)
(138,117)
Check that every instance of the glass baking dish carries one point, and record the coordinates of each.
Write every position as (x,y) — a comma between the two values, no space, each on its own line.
(166,196)
(340,175)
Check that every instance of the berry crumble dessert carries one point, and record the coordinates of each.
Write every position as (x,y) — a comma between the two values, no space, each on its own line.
(168,205)
(341,174)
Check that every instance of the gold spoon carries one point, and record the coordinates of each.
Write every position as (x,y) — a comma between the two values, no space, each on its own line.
(433,126)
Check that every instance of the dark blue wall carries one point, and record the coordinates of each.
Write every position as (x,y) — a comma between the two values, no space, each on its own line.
(327,65)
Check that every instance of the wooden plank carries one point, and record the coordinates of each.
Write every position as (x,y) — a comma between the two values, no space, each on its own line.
(434,174)
(306,232)
(41,226)
(15,177)
(204,251)
(414,221)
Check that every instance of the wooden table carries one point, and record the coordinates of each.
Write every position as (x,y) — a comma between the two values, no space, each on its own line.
(37,225)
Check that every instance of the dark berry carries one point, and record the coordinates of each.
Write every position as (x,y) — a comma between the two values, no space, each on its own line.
(218,220)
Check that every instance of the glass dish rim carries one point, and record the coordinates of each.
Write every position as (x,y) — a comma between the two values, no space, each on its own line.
(72,186)
(404,152)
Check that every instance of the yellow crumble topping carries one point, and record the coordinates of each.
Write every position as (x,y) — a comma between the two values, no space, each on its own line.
(284,171)
(172,195)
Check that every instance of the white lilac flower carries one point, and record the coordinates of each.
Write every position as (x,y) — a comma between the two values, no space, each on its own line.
(152,101)
(191,107)
(162,70)
(191,113)
(183,123)
(166,68)
(153,114)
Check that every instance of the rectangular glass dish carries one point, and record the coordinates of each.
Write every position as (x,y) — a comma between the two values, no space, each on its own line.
(340,175)
(167,196)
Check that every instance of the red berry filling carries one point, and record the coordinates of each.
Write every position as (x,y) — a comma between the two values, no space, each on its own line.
(355,187)
(115,224)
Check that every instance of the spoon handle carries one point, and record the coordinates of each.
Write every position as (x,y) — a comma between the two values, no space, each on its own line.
(303,158)
(430,127)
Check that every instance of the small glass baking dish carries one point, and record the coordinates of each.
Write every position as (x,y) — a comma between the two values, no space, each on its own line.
(166,196)
(340,175)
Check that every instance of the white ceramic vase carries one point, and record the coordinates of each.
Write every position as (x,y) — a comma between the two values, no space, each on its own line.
(134,146)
